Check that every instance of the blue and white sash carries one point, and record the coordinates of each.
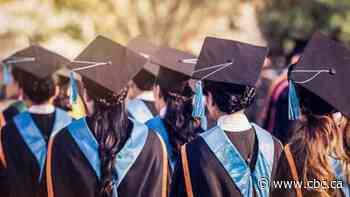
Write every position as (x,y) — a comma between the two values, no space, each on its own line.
(158,126)
(237,168)
(139,110)
(337,166)
(126,157)
(32,136)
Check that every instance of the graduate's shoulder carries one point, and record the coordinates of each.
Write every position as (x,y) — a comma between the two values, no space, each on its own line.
(62,139)
(154,140)
(154,123)
(8,130)
(278,146)
(198,146)
(277,143)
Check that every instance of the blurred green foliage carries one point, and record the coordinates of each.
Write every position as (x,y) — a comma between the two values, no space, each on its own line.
(283,21)
(173,22)
(167,22)
(164,21)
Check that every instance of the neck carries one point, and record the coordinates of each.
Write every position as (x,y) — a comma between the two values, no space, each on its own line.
(146,95)
(137,92)
(44,108)
(160,105)
(236,122)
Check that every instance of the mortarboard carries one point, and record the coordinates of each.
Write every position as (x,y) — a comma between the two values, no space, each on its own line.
(229,61)
(324,70)
(172,67)
(108,64)
(146,77)
(36,61)
(142,46)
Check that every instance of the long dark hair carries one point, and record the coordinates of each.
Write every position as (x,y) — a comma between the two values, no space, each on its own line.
(230,98)
(180,124)
(109,122)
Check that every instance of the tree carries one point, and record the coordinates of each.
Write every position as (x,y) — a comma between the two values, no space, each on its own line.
(166,22)
(284,21)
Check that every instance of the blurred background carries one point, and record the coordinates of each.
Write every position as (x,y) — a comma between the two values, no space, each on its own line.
(66,26)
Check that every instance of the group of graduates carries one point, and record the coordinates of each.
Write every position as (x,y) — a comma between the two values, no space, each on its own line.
(149,121)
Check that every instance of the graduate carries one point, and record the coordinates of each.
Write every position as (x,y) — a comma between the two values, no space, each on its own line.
(319,98)
(77,109)
(107,154)
(24,139)
(230,158)
(13,91)
(174,101)
(140,102)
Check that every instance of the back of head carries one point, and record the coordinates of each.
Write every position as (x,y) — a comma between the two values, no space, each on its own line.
(144,80)
(311,104)
(321,135)
(38,90)
(230,98)
(180,124)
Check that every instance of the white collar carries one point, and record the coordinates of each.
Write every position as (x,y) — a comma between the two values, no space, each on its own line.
(146,95)
(41,109)
(236,122)
(162,112)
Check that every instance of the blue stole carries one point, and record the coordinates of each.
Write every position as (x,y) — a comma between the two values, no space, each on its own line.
(126,157)
(158,126)
(139,110)
(237,168)
(32,136)
(339,174)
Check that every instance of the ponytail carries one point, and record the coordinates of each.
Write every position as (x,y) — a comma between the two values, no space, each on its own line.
(110,124)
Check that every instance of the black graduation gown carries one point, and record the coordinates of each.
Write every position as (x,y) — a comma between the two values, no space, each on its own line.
(283,128)
(20,177)
(73,176)
(12,110)
(208,176)
(151,107)
(283,173)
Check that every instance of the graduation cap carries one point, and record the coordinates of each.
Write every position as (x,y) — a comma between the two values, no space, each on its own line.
(173,69)
(147,75)
(35,60)
(108,64)
(324,69)
(229,61)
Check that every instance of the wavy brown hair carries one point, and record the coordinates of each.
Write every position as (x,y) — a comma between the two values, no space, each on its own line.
(346,139)
(320,136)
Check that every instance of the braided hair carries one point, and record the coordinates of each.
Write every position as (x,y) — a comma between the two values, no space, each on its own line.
(230,98)
(111,126)
(179,123)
